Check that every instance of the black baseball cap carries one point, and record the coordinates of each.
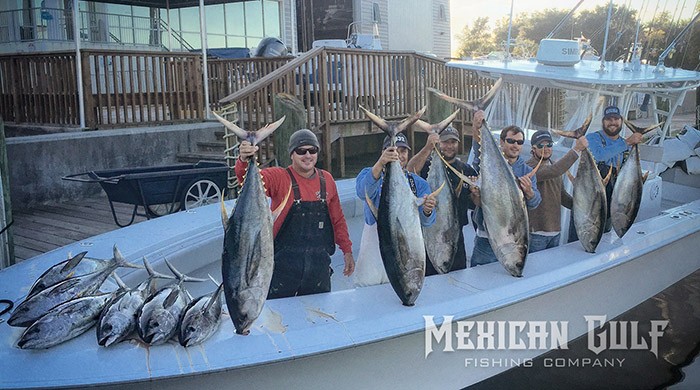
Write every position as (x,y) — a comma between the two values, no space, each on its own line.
(449,133)
(539,136)
(401,141)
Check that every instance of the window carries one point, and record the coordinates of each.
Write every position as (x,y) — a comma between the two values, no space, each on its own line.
(441,13)
(376,15)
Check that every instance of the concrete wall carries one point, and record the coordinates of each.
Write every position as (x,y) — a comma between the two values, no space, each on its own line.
(37,163)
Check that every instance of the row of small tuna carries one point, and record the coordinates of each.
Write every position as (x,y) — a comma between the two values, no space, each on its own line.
(66,301)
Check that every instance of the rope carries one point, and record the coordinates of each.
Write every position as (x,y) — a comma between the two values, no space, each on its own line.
(7,227)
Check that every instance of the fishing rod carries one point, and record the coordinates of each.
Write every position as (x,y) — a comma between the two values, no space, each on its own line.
(563,20)
(660,68)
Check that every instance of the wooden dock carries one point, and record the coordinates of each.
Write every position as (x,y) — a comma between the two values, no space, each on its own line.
(44,228)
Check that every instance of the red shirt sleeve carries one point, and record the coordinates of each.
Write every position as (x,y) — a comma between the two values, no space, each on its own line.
(340,226)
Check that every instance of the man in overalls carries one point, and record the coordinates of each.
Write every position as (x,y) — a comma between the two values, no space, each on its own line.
(609,149)
(310,224)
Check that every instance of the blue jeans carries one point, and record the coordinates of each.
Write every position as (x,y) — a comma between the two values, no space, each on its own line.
(539,242)
(483,254)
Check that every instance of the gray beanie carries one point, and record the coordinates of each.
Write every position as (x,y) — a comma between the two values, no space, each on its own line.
(303,137)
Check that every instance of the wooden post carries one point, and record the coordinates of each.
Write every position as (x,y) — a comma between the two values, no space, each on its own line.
(287,105)
(7,205)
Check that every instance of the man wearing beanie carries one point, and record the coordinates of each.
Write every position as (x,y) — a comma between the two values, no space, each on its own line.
(370,269)
(545,220)
(448,142)
(609,149)
(309,225)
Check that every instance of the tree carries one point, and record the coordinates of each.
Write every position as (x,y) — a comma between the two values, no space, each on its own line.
(476,40)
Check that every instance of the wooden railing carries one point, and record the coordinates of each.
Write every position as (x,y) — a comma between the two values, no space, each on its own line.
(39,89)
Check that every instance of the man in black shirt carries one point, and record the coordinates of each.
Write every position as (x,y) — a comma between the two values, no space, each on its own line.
(448,143)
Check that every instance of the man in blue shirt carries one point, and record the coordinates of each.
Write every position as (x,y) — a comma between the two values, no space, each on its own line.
(369,269)
(609,149)
(512,139)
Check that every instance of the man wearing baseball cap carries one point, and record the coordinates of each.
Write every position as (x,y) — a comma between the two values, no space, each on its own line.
(609,149)
(448,143)
(370,269)
(545,220)
(309,226)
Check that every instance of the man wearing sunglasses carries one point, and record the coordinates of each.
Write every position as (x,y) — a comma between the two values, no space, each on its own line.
(370,269)
(545,220)
(448,144)
(609,149)
(512,140)
(309,225)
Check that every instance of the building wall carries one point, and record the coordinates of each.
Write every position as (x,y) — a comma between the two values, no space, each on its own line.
(410,29)
(364,13)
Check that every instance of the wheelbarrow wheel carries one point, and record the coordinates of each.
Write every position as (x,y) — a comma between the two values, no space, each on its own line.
(201,193)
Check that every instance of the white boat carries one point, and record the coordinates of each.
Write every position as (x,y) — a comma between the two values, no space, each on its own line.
(364,337)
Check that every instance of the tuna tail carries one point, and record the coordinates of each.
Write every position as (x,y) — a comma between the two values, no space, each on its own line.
(73,261)
(372,207)
(152,273)
(535,169)
(419,201)
(472,105)
(607,177)
(121,261)
(578,133)
(438,127)
(254,137)
(215,296)
(643,130)
(180,276)
(276,213)
(224,213)
(119,281)
(392,128)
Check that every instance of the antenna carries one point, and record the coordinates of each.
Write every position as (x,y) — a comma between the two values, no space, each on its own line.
(563,20)
(660,68)
(510,26)
(605,41)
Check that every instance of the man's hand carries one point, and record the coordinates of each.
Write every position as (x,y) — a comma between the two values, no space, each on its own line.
(526,186)
(388,155)
(580,144)
(433,139)
(475,192)
(246,150)
(349,264)
(429,203)
(634,139)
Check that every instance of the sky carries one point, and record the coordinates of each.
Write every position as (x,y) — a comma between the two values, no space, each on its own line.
(463,12)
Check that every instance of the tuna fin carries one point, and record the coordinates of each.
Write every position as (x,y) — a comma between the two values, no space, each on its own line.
(570,176)
(372,207)
(459,174)
(645,176)
(458,189)
(73,261)
(119,281)
(214,298)
(171,298)
(276,213)
(224,213)
(534,170)
(436,192)
(608,176)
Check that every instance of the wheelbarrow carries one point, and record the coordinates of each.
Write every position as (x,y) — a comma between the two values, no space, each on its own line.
(159,190)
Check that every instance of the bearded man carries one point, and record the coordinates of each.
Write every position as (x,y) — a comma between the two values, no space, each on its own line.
(609,149)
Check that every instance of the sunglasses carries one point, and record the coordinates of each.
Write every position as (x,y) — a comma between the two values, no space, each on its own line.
(515,141)
(547,145)
(302,152)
